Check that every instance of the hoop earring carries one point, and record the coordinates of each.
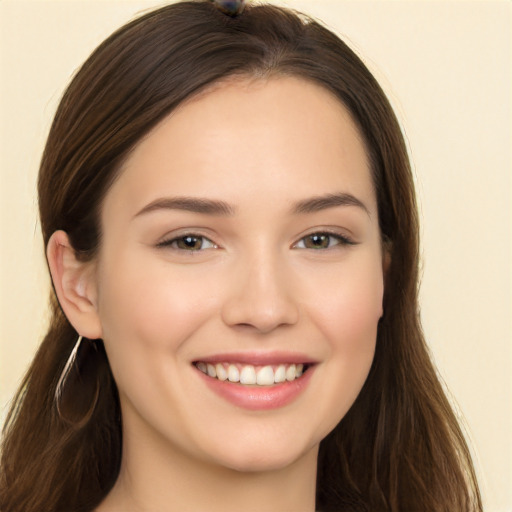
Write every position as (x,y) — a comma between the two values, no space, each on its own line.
(77,390)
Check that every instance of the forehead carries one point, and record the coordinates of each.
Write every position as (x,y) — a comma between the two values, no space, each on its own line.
(283,137)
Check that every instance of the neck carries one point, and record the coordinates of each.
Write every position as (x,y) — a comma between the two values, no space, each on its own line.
(154,478)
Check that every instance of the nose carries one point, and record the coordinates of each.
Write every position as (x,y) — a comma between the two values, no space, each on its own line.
(260,296)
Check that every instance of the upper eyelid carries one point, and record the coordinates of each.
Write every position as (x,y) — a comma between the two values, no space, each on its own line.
(188,231)
(168,240)
(344,239)
(343,234)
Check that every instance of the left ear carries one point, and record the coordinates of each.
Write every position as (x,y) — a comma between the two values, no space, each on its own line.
(75,285)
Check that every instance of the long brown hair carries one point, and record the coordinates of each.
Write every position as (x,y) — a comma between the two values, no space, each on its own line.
(399,448)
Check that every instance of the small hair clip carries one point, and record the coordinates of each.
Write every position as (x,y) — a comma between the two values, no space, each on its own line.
(231,7)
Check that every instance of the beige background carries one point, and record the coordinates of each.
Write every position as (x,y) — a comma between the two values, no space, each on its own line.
(446,66)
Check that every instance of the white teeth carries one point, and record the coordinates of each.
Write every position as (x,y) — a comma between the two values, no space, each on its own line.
(211,370)
(233,373)
(265,376)
(222,374)
(248,375)
(280,375)
(291,373)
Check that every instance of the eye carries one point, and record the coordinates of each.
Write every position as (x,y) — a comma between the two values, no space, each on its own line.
(322,241)
(188,242)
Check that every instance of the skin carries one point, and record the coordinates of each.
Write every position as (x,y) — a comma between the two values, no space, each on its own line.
(261,147)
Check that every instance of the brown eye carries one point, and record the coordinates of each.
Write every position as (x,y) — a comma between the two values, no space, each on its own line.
(323,241)
(317,241)
(188,243)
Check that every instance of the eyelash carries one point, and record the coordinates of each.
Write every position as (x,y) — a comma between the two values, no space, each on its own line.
(341,240)
(171,243)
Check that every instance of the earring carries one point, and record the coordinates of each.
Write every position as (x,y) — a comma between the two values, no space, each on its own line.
(77,389)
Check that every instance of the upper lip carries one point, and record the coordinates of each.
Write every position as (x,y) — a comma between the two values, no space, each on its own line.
(258,358)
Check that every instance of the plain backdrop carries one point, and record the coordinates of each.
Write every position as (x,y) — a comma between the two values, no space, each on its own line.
(446,66)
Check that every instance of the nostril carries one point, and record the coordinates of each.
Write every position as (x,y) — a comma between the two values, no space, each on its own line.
(259,302)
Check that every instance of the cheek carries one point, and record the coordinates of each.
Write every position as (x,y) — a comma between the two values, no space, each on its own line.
(349,307)
(347,313)
(148,313)
(350,326)
(148,308)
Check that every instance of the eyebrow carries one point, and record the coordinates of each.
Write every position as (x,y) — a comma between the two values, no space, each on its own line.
(319,203)
(215,207)
(190,204)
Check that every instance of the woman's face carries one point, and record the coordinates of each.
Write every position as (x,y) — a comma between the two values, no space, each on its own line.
(241,240)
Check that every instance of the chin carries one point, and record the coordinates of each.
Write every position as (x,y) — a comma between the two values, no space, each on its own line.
(261,464)
(265,457)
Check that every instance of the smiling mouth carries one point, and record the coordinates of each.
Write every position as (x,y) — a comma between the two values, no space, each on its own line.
(250,375)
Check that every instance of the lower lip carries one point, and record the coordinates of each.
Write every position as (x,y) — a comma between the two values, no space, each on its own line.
(258,398)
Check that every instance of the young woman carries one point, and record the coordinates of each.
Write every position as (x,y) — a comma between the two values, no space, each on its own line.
(231,230)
